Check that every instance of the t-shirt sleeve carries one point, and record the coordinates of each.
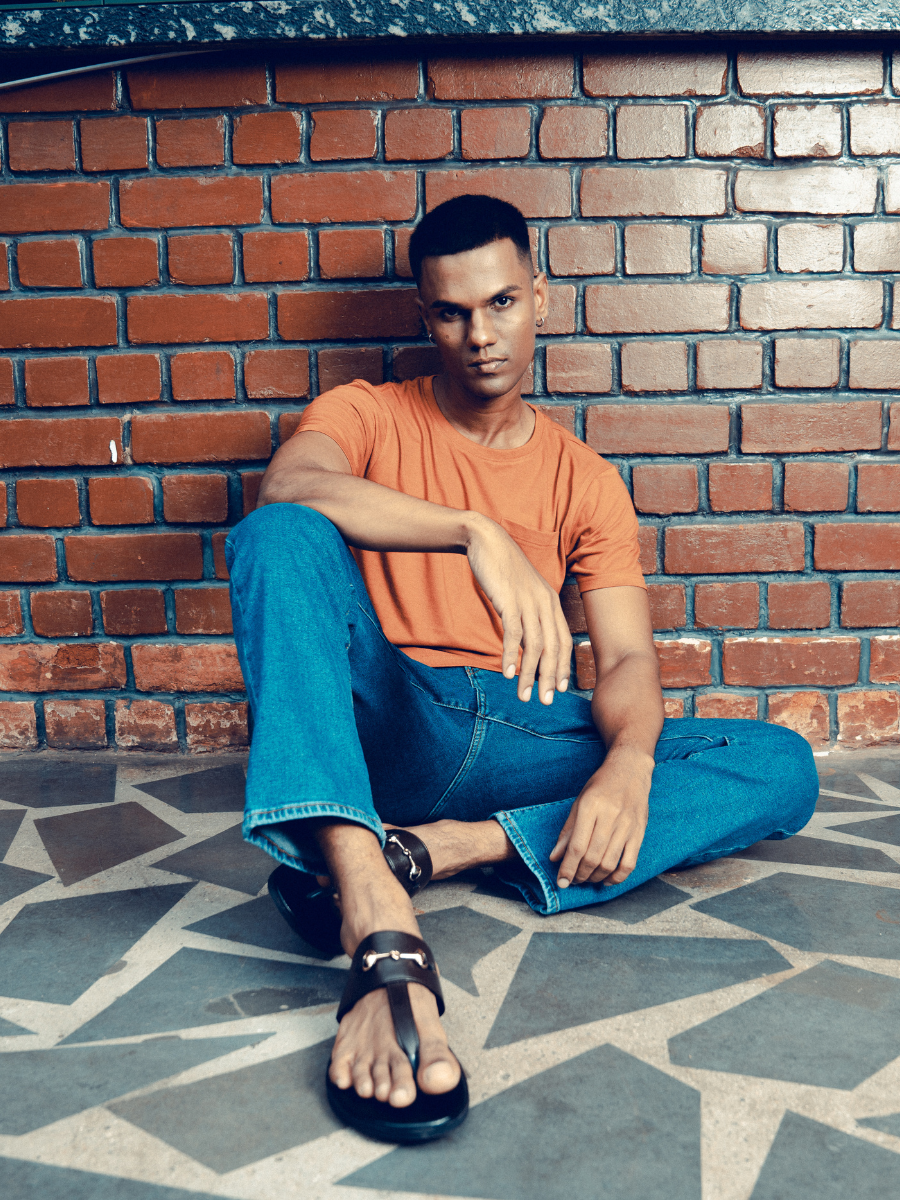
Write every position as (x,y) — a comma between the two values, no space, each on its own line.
(605,551)
(349,416)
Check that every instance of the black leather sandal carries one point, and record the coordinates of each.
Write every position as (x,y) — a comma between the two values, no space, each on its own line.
(393,960)
(310,910)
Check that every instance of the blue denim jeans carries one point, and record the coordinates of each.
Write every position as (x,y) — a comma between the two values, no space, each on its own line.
(348,726)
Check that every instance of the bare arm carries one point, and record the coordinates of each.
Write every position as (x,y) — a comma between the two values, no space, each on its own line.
(311,469)
(604,830)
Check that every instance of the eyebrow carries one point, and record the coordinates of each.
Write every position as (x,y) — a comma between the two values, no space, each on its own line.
(513,287)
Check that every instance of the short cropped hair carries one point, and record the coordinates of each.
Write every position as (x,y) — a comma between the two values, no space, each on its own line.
(466,223)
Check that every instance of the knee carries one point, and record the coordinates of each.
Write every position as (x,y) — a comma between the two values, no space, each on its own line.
(278,529)
(791,775)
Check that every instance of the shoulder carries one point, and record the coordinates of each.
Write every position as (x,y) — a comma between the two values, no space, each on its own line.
(586,462)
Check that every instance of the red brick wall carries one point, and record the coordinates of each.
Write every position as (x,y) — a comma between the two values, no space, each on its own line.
(188,254)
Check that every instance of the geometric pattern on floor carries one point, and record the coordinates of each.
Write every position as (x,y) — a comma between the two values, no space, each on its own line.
(727,1030)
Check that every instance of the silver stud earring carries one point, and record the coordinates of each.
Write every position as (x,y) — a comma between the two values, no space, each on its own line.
(430,336)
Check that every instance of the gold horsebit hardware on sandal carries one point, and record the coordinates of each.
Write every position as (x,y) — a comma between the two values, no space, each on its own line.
(371,957)
(414,870)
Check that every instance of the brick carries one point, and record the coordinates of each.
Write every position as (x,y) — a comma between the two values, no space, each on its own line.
(684,662)
(351,253)
(328,196)
(649,74)
(58,667)
(187,668)
(574,131)
(656,307)
(875,364)
(651,131)
(3,504)
(831,304)
(201,259)
(734,248)
(884,666)
(327,81)
(808,247)
(45,207)
(875,127)
(145,725)
(804,712)
(202,611)
(821,189)
(893,442)
(667,605)
(343,366)
(343,134)
(133,612)
(806,131)
(10,614)
(163,201)
(61,443)
(726,605)
(120,500)
(814,73)
(345,315)
(212,317)
(18,725)
(218,542)
(4,266)
(779,662)
(740,487)
(730,131)
(856,546)
(657,249)
(654,367)
(215,726)
(85,93)
(128,378)
(579,367)
(75,724)
(726,706)
(560,311)
(559,414)
(411,361)
(56,382)
(729,364)
(195,498)
(7,382)
(126,262)
(536,191)
(876,246)
(203,375)
(572,606)
(276,256)
(514,77)
(807,362)
(647,547)
(196,86)
(582,249)
(47,503)
(251,481)
(418,134)
(867,603)
(41,145)
(114,144)
(201,437)
(62,614)
(62,321)
(278,374)
(868,718)
(114,557)
(673,706)
(268,137)
(495,132)
(49,264)
(666,488)
(878,487)
(657,428)
(652,192)
(804,604)
(810,428)
(816,486)
(734,549)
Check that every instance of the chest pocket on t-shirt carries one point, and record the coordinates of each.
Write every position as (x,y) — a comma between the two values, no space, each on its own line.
(541,548)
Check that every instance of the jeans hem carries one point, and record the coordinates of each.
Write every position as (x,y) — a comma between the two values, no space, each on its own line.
(550,903)
(287,850)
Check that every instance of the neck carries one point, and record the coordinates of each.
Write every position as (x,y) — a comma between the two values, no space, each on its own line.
(501,422)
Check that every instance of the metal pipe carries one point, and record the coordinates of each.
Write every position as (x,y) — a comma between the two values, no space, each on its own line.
(119,62)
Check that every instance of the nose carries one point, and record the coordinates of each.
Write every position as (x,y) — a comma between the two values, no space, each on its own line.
(481,330)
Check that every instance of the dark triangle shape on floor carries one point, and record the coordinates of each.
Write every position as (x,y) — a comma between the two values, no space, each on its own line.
(837,804)
(827,916)
(847,782)
(255,923)
(288,1093)
(815,1161)
(779,1034)
(886,1124)
(16,880)
(652,897)
(55,950)
(82,844)
(601,1124)
(38,1087)
(20,1180)
(49,783)
(200,987)
(569,979)
(226,860)
(880,829)
(460,937)
(818,852)
(7,1029)
(10,820)
(220,789)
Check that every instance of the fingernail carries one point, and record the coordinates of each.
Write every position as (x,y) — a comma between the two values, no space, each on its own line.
(526,695)
(510,672)
(548,697)
(564,686)
(563,883)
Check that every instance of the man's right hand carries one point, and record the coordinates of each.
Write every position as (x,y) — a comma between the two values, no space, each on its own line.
(530,610)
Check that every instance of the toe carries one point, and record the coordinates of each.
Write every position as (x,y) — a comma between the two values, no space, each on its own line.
(363,1083)
(403,1088)
(439,1071)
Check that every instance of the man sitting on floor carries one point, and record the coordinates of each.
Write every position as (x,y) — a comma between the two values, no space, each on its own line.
(410,694)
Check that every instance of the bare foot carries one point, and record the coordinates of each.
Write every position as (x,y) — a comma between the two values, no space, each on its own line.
(457,846)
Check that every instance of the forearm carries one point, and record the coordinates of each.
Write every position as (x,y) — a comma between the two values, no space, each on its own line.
(628,708)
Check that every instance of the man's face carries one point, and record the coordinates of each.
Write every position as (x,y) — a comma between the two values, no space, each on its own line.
(481,308)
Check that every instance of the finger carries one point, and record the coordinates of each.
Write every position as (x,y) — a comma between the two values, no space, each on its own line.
(608,860)
(532,643)
(627,863)
(512,640)
(548,667)
(579,841)
(563,840)
(564,653)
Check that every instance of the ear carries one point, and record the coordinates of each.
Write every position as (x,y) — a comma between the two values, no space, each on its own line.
(541,295)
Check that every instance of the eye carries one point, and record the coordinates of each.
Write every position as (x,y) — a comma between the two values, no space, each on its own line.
(504,301)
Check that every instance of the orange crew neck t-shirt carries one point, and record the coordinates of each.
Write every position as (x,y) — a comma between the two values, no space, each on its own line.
(565,507)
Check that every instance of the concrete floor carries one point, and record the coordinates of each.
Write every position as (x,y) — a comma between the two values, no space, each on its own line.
(724,1033)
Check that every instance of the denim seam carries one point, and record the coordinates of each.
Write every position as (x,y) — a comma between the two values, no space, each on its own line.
(524,851)
(546,737)
(304,810)
(475,744)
